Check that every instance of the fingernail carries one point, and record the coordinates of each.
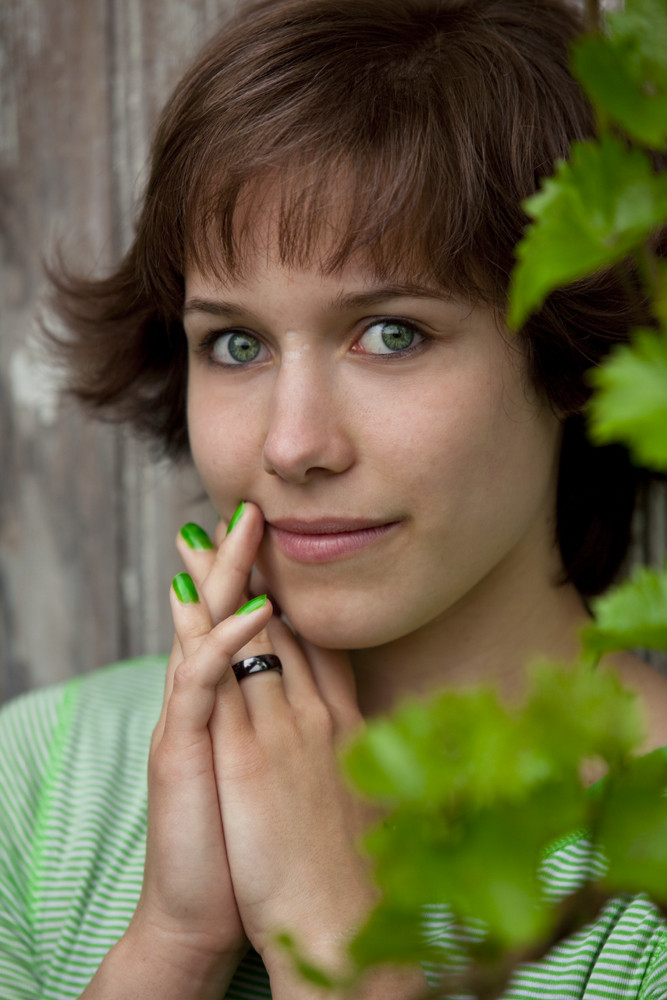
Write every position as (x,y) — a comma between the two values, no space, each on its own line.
(236,516)
(256,602)
(185,589)
(195,536)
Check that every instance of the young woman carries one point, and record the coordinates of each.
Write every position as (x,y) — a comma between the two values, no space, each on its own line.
(313,307)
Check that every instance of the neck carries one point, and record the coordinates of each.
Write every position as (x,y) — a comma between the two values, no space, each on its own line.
(513,617)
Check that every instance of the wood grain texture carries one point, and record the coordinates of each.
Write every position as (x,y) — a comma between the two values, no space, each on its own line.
(87,521)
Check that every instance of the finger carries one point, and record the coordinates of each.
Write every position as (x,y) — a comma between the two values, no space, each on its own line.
(224,528)
(205,679)
(197,551)
(226,584)
(192,619)
(175,658)
(298,682)
(333,675)
(263,692)
(259,585)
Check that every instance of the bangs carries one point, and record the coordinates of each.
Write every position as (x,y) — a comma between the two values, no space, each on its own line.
(381,200)
(377,154)
(338,135)
(389,211)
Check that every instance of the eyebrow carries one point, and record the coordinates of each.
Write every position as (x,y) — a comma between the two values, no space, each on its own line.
(371,297)
(343,301)
(212,306)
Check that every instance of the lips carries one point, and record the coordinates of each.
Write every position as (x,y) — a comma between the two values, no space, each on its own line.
(326,539)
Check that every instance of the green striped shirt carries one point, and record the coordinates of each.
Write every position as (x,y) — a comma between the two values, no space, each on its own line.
(72,844)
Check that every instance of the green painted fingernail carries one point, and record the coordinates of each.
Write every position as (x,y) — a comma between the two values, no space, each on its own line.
(195,536)
(185,589)
(236,516)
(256,602)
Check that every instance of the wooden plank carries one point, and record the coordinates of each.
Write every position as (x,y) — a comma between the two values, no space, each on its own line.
(60,474)
(152,41)
(87,520)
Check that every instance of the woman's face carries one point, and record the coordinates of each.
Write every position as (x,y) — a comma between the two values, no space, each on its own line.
(388,433)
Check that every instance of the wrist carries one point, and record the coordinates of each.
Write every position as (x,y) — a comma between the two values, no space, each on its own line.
(157,964)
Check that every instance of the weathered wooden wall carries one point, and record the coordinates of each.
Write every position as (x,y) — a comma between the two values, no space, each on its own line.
(86,520)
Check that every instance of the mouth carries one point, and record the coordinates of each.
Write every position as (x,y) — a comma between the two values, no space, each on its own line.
(326,539)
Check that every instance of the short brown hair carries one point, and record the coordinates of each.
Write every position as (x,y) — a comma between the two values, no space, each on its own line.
(436,118)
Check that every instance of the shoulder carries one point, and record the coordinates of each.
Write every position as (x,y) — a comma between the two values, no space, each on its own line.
(121,688)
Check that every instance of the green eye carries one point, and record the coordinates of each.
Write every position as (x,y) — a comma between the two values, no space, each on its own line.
(236,348)
(389,337)
(397,337)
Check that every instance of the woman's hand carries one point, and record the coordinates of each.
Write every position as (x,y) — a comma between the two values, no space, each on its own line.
(187,909)
(290,824)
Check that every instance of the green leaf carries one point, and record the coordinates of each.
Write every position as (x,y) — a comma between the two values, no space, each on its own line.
(592,712)
(430,751)
(660,292)
(630,402)
(645,22)
(482,791)
(395,935)
(632,828)
(633,614)
(625,73)
(597,208)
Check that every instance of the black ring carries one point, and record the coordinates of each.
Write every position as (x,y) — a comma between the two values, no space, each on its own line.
(256,665)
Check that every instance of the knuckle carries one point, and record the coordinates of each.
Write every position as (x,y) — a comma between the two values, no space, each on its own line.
(194,626)
(319,721)
(184,675)
(216,646)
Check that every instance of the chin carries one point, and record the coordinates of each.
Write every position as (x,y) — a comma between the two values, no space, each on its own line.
(343,629)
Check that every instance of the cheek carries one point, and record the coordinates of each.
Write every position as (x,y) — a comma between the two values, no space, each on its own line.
(223,446)
(487,448)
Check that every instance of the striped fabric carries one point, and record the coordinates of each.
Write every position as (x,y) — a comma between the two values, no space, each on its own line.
(72,842)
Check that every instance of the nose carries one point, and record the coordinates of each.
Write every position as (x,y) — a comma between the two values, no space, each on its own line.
(308,430)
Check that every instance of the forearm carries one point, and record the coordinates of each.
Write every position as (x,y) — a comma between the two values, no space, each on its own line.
(160,970)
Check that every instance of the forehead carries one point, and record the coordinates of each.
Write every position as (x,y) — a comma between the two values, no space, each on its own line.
(327,223)
(361,277)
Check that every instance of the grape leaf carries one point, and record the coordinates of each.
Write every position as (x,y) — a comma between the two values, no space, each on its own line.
(660,293)
(427,860)
(391,934)
(625,73)
(630,402)
(496,783)
(632,827)
(590,709)
(431,751)
(596,208)
(633,614)
(645,22)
